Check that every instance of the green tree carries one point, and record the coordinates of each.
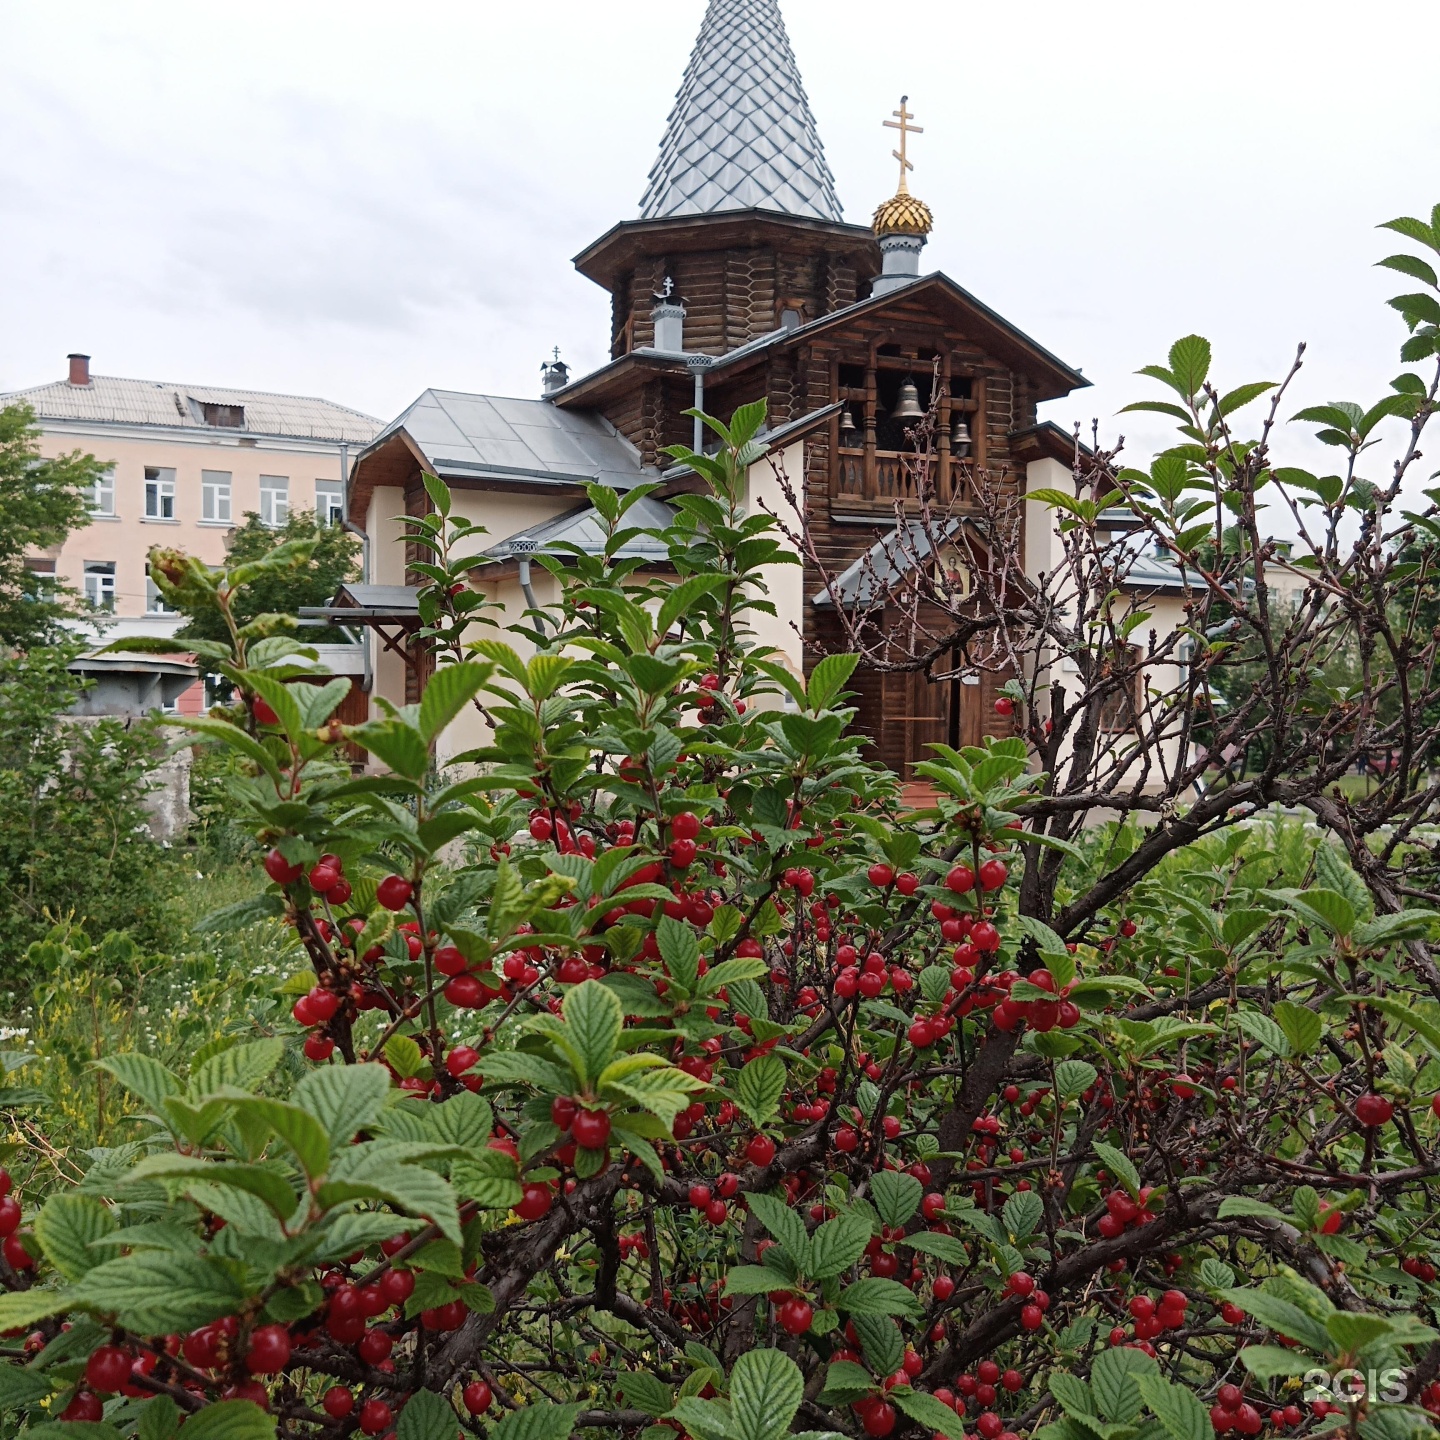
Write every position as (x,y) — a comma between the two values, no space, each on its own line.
(74,842)
(330,562)
(41,502)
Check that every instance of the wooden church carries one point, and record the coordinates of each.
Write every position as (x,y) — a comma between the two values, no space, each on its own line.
(739,280)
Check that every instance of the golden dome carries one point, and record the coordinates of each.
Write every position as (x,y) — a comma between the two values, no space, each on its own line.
(903,214)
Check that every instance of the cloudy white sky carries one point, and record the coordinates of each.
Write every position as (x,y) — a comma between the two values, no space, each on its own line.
(362,200)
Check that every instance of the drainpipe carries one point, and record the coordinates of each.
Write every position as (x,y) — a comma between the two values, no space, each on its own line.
(368,680)
(522,547)
(697,365)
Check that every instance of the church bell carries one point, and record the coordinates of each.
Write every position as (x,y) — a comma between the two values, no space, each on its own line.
(960,438)
(907,407)
(848,429)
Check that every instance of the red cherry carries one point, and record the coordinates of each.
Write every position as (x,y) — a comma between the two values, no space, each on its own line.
(881,875)
(795,1316)
(337,1402)
(1373,1111)
(85,1406)
(15,1252)
(984,936)
(700,1196)
(943,1287)
(760,1150)
(716,1212)
(684,826)
(269,1350)
(1021,1283)
(9,1215)
(318,1048)
(280,870)
(879,1419)
(263,712)
(375,1346)
(375,1417)
(465,992)
(1032,1317)
(1004,705)
(961,879)
(461,1059)
(394,893)
(449,961)
(591,1129)
(477,1396)
(535,1201)
(108,1368)
(397,1286)
(993,875)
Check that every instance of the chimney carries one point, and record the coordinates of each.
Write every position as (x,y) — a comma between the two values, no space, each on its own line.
(669,318)
(554,375)
(79,369)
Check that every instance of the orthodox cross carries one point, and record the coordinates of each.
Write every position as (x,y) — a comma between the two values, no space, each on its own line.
(902,124)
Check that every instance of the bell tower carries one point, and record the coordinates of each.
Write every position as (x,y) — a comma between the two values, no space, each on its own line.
(740,213)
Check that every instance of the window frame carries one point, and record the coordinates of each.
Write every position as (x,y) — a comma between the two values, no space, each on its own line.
(215,491)
(273,512)
(100,571)
(160,485)
(333,492)
(103,487)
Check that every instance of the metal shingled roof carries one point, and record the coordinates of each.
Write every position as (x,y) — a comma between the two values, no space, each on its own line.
(741,135)
(493,435)
(583,527)
(111,400)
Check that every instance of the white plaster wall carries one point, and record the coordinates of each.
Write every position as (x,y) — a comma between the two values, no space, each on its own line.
(785,584)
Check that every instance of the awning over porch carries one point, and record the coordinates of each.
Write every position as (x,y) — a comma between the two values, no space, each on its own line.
(865,583)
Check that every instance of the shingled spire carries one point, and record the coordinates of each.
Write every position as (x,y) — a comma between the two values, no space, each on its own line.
(741,135)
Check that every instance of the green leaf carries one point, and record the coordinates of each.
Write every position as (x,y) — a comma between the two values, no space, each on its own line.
(299,1129)
(1074,1077)
(896,1195)
(464,1119)
(755,1280)
(68,1224)
(1353,1332)
(1072,1393)
(159,1419)
(594,1019)
(828,679)
(189,1171)
(1265,1362)
(427,1416)
(881,1341)
(1282,1317)
(1022,1213)
(1190,364)
(642,1391)
(20,1388)
(405,1056)
(875,1296)
(1119,1165)
(1216,1274)
(539,1420)
(1114,1377)
(926,1410)
(238,1420)
(1411,265)
(1302,1027)
(1242,395)
(766,1388)
(759,1086)
(345,1099)
(1264,1031)
(379,1171)
(447,692)
(942,1247)
(241,1067)
(145,1077)
(1240,1206)
(156,1291)
(24,1307)
(1177,1408)
(489,1177)
(839,1243)
(785,1224)
(681,598)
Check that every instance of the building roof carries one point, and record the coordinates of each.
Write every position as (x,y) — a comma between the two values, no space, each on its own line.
(463,436)
(741,135)
(584,528)
(111,400)
(872,577)
(367,602)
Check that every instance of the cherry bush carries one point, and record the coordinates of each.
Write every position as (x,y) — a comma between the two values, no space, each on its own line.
(716,1093)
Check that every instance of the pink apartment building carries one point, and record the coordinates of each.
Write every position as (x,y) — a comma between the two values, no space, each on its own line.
(186,464)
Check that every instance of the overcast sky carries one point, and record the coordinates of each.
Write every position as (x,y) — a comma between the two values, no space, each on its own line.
(362,200)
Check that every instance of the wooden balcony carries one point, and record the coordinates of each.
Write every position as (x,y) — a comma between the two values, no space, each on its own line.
(875,479)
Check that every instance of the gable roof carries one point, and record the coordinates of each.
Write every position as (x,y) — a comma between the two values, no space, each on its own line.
(741,135)
(867,581)
(462,436)
(584,527)
(113,400)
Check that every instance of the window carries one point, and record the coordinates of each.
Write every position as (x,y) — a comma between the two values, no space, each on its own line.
(329,502)
(215,495)
(100,583)
(102,494)
(154,600)
(274,499)
(232,417)
(159,493)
